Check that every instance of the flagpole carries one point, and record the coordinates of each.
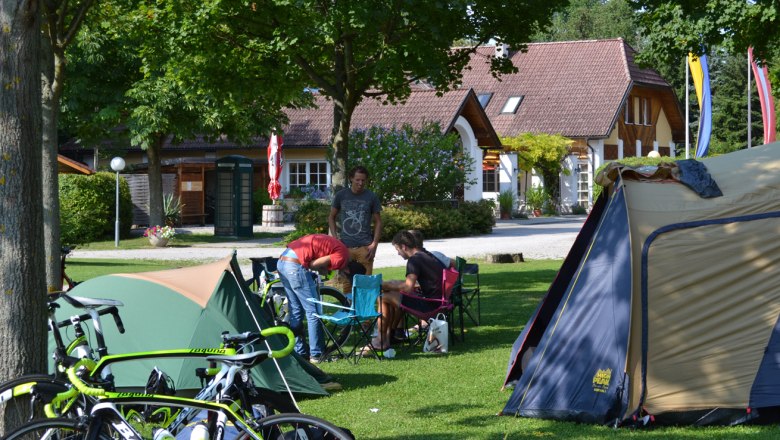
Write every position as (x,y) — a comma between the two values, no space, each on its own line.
(750,116)
(687,110)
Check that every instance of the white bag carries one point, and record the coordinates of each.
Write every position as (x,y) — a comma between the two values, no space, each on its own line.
(437,340)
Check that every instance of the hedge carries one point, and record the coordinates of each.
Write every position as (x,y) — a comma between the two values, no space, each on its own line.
(469,218)
(88,207)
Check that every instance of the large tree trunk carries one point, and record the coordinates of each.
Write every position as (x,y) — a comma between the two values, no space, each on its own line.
(340,145)
(22,285)
(50,93)
(155,181)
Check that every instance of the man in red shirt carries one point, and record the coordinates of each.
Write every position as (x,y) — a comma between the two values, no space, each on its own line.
(321,253)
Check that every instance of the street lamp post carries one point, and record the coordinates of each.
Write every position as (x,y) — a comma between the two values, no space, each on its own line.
(117,164)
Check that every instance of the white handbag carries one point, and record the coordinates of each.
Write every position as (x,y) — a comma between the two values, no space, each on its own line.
(437,340)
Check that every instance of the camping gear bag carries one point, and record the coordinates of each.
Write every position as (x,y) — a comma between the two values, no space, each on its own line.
(437,340)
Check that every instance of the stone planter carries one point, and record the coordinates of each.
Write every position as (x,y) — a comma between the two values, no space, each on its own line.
(158,241)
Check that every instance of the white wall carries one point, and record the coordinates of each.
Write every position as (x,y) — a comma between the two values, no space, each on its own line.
(469,141)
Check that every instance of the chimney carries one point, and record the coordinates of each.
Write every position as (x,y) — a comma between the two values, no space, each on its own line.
(502,50)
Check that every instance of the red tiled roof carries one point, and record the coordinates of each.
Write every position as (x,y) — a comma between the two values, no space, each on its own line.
(575,88)
(312,127)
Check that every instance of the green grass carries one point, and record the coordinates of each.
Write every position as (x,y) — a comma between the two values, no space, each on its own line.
(182,240)
(455,396)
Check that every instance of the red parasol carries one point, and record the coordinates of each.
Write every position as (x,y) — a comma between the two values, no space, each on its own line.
(274,165)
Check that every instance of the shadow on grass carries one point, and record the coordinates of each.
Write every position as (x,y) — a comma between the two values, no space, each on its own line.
(353,381)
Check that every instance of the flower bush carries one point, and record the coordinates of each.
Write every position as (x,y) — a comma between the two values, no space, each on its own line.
(166,232)
(406,164)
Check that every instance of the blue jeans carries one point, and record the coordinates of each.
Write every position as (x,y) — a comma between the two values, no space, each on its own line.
(299,285)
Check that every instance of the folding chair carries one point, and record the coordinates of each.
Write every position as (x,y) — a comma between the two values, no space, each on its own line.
(365,293)
(441,304)
(468,294)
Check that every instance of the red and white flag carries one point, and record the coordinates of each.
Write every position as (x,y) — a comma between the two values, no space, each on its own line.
(275,165)
(765,96)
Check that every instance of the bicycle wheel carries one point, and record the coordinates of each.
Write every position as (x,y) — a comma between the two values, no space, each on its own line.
(300,426)
(332,295)
(50,429)
(22,399)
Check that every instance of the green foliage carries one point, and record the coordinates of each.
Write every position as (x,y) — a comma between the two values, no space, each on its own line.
(88,207)
(172,207)
(629,162)
(411,165)
(355,50)
(479,215)
(728,77)
(578,209)
(259,199)
(544,153)
(672,29)
(593,19)
(535,197)
(310,218)
(434,220)
(506,201)
(471,218)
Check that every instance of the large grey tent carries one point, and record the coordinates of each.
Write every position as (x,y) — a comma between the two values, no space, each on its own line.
(189,308)
(667,307)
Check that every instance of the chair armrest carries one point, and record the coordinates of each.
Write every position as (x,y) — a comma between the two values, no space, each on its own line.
(327,304)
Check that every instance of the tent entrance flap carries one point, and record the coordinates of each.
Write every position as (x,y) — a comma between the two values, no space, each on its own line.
(577,372)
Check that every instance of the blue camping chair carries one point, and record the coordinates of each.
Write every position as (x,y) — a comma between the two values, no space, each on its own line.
(361,316)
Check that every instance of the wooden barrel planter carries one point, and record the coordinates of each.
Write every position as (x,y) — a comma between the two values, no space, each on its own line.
(273,215)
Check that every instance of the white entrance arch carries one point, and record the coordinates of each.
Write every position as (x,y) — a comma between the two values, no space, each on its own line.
(470,147)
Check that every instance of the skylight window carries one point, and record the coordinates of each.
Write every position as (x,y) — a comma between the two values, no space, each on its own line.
(484,99)
(512,104)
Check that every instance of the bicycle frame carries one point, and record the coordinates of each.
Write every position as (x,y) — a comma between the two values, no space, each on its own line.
(105,411)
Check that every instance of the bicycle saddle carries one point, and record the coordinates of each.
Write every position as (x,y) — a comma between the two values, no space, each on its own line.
(81,302)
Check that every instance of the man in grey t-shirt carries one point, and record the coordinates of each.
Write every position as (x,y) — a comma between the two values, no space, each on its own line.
(358,207)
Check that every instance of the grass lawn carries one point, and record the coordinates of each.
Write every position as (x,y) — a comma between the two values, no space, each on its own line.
(456,396)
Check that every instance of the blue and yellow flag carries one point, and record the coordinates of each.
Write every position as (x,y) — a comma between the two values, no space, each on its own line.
(701,81)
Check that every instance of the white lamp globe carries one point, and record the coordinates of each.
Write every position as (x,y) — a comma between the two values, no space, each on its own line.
(117,164)
(653,154)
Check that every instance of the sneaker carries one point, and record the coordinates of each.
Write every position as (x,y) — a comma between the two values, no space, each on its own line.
(317,359)
(331,386)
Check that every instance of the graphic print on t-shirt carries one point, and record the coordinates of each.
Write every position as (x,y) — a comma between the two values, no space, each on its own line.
(355,216)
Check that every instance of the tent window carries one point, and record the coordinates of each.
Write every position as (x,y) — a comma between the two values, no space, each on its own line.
(512,104)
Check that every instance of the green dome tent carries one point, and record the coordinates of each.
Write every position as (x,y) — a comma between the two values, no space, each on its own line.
(188,308)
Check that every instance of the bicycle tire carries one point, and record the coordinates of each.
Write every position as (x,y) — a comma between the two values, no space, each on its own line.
(300,426)
(22,399)
(51,429)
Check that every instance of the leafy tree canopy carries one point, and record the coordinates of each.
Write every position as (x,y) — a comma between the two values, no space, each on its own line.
(544,153)
(350,50)
(593,19)
(674,28)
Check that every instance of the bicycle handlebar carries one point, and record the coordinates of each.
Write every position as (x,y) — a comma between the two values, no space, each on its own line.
(246,337)
(108,310)
(81,385)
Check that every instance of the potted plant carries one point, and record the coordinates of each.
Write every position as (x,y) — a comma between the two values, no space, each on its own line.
(534,199)
(159,235)
(172,207)
(506,202)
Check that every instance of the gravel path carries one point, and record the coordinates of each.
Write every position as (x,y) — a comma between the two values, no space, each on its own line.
(544,238)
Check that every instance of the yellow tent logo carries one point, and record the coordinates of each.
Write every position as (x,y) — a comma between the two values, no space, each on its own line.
(601,380)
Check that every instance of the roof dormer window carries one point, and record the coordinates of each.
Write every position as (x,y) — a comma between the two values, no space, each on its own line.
(484,99)
(512,104)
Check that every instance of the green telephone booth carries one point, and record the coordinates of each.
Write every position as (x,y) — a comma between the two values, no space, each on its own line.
(233,216)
